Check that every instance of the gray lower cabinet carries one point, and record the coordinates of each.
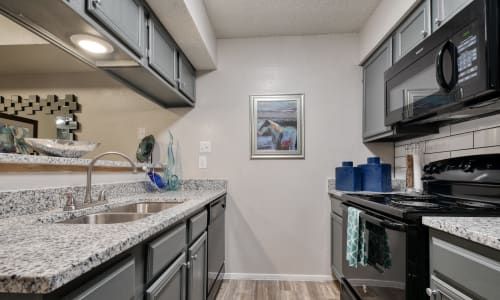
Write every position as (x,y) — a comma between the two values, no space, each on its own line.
(116,283)
(171,285)
(461,269)
(336,237)
(162,52)
(443,10)
(125,18)
(186,78)
(336,247)
(413,30)
(197,273)
(373,92)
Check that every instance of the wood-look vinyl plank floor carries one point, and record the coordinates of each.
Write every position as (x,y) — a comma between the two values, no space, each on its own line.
(278,290)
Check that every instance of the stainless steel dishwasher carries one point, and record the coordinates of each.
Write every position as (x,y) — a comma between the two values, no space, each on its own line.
(216,246)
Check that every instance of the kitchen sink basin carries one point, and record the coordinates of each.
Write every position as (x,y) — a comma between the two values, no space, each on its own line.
(106,218)
(144,207)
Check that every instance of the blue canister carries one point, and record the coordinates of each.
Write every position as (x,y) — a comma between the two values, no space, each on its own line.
(347,177)
(376,177)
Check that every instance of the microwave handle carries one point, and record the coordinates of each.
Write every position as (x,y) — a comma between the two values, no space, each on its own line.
(447,47)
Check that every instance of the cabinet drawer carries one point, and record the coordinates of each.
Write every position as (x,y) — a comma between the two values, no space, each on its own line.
(336,205)
(164,250)
(197,225)
(116,283)
(470,270)
(171,285)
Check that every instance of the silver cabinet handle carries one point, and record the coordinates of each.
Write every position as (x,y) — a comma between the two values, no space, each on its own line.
(194,257)
(424,33)
(187,264)
(438,22)
(431,293)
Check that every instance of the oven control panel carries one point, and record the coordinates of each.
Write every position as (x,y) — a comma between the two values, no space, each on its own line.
(467,50)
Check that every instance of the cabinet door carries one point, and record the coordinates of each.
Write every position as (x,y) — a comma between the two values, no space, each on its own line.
(117,283)
(443,291)
(124,18)
(186,78)
(443,10)
(197,274)
(336,245)
(171,285)
(162,52)
(374,91)
(416,28)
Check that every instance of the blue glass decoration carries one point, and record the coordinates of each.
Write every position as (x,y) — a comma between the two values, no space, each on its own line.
(172,181)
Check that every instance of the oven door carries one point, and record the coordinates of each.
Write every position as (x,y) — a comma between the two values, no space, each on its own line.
(375,281)
(445,70)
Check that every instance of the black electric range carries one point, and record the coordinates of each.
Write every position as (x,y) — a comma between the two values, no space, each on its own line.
(465,186)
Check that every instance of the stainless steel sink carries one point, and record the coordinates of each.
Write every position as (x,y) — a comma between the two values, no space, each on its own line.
(106,218)
(144,207)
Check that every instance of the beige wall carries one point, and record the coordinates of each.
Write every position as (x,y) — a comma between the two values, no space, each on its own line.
(278,210)
(381,23)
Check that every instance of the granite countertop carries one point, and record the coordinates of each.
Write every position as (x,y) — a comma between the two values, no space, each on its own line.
(38,255)
(482,230)
(397,188)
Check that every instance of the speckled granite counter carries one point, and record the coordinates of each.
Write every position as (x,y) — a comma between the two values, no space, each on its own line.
(482,230)
(38,255)
(397,186)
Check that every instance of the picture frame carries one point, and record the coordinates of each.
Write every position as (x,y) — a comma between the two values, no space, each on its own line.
(277,126)
(29,124)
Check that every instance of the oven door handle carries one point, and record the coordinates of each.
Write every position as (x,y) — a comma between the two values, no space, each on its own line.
(384,223)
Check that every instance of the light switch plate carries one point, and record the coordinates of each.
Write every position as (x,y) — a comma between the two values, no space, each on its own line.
(202,162)
(205,147)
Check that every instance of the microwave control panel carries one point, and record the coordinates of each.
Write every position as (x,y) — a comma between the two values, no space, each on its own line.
(468,63)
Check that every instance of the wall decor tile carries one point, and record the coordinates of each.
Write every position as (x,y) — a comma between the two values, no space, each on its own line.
(477,124)
(428,158)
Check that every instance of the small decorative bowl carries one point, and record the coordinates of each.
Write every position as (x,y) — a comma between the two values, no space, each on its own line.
(61,148)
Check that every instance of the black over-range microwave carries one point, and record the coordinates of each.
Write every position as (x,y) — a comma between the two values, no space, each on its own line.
(452,75)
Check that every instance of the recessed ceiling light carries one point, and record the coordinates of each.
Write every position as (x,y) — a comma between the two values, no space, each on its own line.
(91,44)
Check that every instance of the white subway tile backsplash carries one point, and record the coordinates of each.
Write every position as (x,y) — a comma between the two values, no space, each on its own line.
(400,173)
(478,151)
(400,151)
(435,156)
(400,162)
(454,142)
(443,132)
(487,138)
(477,124)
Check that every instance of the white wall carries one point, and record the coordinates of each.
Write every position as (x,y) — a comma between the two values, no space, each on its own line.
(278,210)
(382,22)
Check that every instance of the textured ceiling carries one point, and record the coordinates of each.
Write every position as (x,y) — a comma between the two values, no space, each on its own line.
(253,18)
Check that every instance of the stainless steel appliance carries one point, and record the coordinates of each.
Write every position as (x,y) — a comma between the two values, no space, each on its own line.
(452,75)
(465,186)
(216,246)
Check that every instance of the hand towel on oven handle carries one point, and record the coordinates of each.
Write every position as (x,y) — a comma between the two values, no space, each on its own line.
(356,246)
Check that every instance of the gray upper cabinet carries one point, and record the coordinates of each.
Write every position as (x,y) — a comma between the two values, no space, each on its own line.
(186,78)
(162,52)
(443,10)
(124,18)
(373,91)
(413,30)
(171,285)
(197,274)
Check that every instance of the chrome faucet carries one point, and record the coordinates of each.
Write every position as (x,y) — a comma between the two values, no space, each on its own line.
(88,189)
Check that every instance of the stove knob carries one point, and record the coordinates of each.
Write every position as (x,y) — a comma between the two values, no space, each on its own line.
(434,170)
(468,167)
(427,168)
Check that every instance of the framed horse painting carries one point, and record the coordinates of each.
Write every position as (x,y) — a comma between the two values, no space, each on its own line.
(277,126)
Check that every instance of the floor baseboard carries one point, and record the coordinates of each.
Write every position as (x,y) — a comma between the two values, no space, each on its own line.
(281,277)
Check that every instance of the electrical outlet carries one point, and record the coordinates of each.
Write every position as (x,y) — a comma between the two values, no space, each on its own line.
(141,133)
(202,162)
(205,147)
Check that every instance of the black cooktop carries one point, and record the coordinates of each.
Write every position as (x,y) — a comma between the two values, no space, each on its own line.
(415,205)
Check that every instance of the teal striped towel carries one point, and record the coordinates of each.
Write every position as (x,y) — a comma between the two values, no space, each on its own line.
(356,247)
